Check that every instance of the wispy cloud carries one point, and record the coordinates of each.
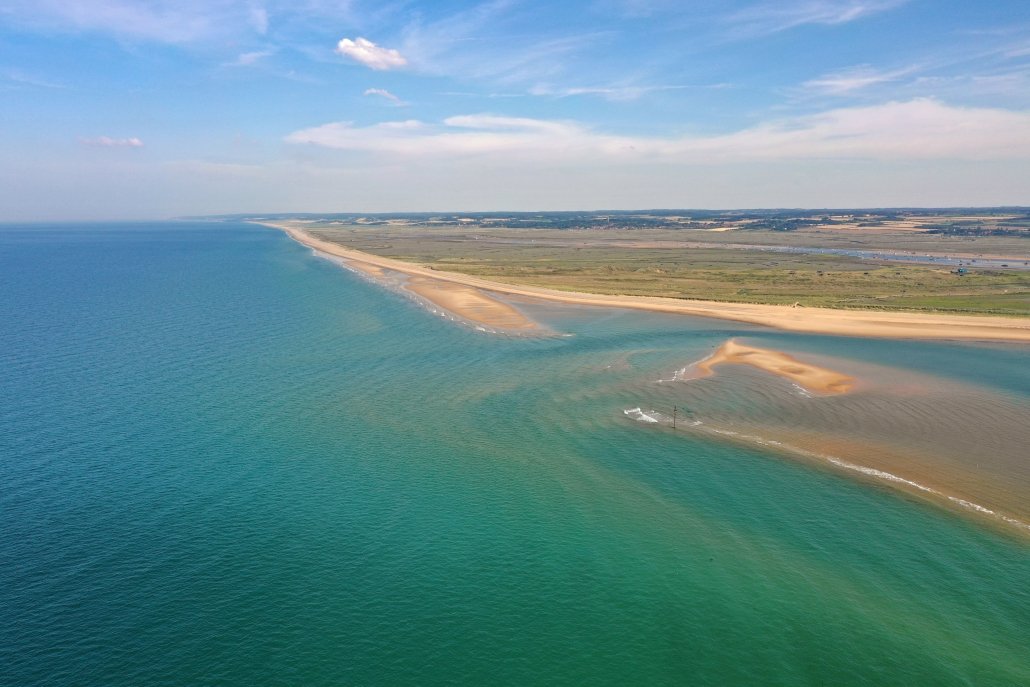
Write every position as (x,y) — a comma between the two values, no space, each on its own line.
(917,129)
(249,59)
(259,19)
(1018,51)
(1014,84)
(385,95)
(848,81)
(161,20)
(369,54)
(179,22)
(487,42)
(780,15)
(614,93)
(19,77)
(108,142)
(636,9)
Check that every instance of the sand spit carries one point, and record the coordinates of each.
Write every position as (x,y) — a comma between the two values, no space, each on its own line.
(812,378)
(471,304)
(864,323)
(465,302)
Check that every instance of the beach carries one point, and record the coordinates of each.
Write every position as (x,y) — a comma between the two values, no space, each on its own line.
(465,302)
(865,323)
(471,304)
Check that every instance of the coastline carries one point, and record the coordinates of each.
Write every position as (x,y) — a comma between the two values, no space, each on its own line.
(877,324)
(459,302)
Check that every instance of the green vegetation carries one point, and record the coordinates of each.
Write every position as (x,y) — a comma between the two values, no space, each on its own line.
(681,265)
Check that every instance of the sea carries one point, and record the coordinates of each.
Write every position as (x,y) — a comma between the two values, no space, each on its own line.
(224,460)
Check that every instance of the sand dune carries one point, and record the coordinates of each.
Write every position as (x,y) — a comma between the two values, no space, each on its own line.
(813,320)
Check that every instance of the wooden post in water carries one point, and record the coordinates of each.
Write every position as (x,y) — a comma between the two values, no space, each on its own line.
(674,409)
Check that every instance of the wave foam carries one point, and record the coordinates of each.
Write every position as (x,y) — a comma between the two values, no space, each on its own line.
(679,375)
(640,416)
(653,417)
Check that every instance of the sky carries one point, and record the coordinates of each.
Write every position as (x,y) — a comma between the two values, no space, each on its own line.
(122,109)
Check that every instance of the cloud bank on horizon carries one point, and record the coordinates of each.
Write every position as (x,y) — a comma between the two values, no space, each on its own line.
(250,105)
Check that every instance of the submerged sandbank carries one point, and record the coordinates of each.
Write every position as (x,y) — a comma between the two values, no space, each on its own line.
(958,445)
(810,377)
(812,320)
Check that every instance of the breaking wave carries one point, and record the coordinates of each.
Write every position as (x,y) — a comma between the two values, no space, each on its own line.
(654,417)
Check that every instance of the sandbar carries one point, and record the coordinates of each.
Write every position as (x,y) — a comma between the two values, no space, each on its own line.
(810,377)
(865,323)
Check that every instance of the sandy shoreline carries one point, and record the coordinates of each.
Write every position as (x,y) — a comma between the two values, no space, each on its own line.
(809,320)
(471,304)
(810,377)
(463,301)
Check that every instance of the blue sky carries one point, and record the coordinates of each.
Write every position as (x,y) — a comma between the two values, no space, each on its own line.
(123,109)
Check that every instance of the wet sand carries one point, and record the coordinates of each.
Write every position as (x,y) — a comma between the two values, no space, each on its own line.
(471,304)
(811,320)
(365,268)
(812,378)
(465,302)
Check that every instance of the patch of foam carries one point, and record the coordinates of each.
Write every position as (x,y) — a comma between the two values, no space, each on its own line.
(640,416)
(873,472)
(679,375)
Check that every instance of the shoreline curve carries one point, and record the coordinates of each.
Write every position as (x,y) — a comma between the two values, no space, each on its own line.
(875,324)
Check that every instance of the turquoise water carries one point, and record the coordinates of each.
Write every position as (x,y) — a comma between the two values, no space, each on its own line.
(226,461)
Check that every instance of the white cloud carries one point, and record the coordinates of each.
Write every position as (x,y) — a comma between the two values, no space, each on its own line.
(780,15)
(249,59)
(460,135)
(847,81)
(614,93)
(369,54)
(385,94)
(108,142)
(919,129)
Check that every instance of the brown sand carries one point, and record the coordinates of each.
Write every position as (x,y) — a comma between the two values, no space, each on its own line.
(813,320)
(811,377)
(470,304)
(467,302)
(366,268)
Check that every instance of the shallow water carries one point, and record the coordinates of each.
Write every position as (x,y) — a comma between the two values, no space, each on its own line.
(224,460)
(944,437)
